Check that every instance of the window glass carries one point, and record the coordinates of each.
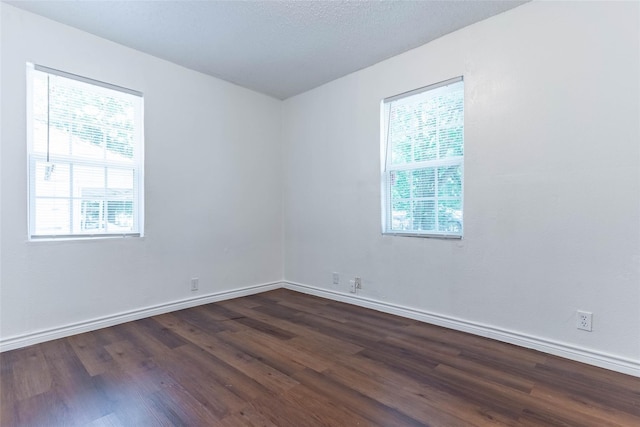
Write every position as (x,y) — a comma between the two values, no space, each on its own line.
(85,156)
(423,164)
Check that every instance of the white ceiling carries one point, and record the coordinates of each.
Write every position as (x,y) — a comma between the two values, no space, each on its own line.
(280,48)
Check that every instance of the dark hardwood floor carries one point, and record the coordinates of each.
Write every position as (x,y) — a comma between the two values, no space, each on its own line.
(287,359)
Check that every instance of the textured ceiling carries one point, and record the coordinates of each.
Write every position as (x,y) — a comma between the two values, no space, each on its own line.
(280,48)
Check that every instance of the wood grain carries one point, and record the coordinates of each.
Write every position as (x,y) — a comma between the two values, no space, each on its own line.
(283,358)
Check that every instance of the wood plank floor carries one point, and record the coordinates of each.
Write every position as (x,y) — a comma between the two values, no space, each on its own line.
(287,359)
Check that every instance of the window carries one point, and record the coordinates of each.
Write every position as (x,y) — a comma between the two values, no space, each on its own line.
(423,160)
(85,142)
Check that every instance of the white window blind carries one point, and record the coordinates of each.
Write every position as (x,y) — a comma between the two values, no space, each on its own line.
(423,161)
(85,154)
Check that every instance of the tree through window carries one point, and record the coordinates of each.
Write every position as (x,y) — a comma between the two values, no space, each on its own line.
(423,160)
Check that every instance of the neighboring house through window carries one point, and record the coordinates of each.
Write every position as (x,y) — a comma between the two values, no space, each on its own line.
(85,154)
(423,161)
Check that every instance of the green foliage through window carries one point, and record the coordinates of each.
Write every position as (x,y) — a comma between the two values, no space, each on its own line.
(423,166)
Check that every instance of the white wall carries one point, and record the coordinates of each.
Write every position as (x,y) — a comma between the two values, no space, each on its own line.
(552,189)
(552,180)
(213,188)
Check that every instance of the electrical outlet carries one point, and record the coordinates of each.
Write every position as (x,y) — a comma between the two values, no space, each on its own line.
(358,283)
(336,278)
(352,286)
(584,320)
(195,283)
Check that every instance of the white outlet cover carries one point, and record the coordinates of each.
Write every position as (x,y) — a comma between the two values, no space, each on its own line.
(584,320)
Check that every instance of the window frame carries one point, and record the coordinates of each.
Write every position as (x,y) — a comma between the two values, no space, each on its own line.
(387,168)
(136,166)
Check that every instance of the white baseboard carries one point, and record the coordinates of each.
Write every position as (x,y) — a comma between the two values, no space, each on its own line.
(603,360)
(19,341)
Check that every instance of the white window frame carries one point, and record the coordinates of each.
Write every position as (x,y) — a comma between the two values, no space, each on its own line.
(387,168)
(33,157)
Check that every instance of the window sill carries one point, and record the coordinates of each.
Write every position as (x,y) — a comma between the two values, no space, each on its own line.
(430,236)
(80,238)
